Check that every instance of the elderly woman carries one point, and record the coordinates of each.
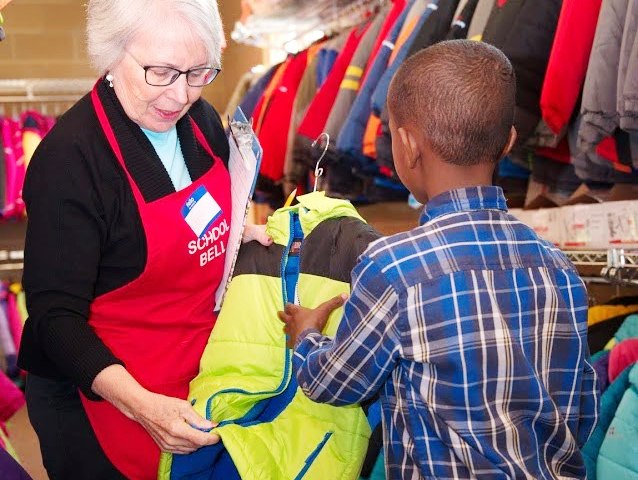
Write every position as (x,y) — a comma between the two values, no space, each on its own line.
(129,208)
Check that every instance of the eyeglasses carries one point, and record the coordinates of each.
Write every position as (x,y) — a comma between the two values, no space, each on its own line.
(162,76)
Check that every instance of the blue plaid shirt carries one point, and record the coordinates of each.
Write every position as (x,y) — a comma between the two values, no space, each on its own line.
(474,331)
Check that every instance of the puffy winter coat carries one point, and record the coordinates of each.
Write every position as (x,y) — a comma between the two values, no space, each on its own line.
(568,62)
(524,31)
(599,106)
(612,450)
(247,381)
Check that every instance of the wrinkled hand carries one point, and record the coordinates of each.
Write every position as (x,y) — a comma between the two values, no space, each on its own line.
(256,232)
(170,422)
(298,319)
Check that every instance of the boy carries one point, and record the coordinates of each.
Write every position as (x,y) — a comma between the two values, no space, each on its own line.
(471,327)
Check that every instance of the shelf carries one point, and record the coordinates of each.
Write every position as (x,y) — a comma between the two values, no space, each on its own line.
(615,266)
(590,258)
(12,235)
(614,257)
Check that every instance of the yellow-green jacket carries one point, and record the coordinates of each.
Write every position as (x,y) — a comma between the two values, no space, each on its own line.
(270,430)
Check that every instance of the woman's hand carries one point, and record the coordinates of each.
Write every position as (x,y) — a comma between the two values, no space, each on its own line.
(256,232)
(172,423)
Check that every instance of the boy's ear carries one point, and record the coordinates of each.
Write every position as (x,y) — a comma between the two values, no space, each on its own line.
(510,142)
(411,147)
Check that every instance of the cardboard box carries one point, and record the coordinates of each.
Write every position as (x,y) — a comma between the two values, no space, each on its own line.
(585,227)
(622,223)
(547,224)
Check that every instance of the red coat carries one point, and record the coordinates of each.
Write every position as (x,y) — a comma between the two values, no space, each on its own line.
(273,114)
(621,356)
(317,115)
(568,61)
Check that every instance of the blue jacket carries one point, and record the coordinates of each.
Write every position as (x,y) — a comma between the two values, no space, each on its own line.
(350,139)
(428,21)
(612,450)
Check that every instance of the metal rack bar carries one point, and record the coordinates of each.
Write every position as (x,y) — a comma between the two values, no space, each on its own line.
(35,86)
(48,95)
(590,258)
(618,266)
(288,23)
(38,98)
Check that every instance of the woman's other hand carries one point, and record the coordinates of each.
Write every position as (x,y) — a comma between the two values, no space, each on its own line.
(256,232)
(172,423)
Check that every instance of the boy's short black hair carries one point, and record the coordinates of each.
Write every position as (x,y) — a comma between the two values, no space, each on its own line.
(460,94)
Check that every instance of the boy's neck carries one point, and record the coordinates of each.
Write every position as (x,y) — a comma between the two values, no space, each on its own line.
(452,177)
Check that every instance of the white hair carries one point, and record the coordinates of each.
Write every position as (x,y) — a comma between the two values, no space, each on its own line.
(111,24)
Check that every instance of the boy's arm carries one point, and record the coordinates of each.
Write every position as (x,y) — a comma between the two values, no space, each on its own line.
(354,366)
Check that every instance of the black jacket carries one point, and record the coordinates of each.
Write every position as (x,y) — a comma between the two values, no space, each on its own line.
(524,31)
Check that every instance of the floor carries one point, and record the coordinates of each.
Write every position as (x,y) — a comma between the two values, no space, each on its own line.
(388,218)
(25,442)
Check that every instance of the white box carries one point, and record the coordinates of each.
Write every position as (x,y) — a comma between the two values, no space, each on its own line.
(547,224)
(622,223)
(585,227)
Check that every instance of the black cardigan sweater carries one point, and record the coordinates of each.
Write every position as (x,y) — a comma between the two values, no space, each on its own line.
(84,233)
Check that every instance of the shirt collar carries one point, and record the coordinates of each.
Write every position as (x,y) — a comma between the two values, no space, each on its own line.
(464,199)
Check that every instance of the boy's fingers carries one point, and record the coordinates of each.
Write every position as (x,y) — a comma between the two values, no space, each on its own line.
(291,309)
(284,317)
(334,303)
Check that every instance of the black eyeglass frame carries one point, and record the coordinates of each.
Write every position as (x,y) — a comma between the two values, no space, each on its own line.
(179,72)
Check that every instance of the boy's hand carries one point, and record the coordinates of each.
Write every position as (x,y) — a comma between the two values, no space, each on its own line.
(298,319)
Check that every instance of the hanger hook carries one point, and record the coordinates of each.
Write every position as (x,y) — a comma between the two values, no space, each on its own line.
(319,171)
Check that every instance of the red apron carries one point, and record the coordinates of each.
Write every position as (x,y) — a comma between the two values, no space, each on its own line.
(159,323)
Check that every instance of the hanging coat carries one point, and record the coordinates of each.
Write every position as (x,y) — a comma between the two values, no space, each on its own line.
(295,171)
(3,171)
(629,119)
(352,79)
(524,31)
(14,168)
(599,109)
(568,61)
(275,114)
(351,136)
(315,119)
(327,56)
(462,19)
(250,100)
(480,18)
(419,13)
(630,30)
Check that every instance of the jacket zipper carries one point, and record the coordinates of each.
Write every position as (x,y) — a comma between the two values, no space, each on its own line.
(287,356)
(313,456)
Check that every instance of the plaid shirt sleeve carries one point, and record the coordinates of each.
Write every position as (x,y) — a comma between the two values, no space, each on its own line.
(355,365)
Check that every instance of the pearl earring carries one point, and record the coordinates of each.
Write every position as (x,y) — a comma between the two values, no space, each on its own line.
(109,78)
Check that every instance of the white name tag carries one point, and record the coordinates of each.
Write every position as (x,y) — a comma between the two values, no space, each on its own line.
(200,211)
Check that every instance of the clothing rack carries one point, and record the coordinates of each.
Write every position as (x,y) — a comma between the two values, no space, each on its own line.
(12,249)
(50,96)
(298,26)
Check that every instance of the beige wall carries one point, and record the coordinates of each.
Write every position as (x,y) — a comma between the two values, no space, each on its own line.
(45,38)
